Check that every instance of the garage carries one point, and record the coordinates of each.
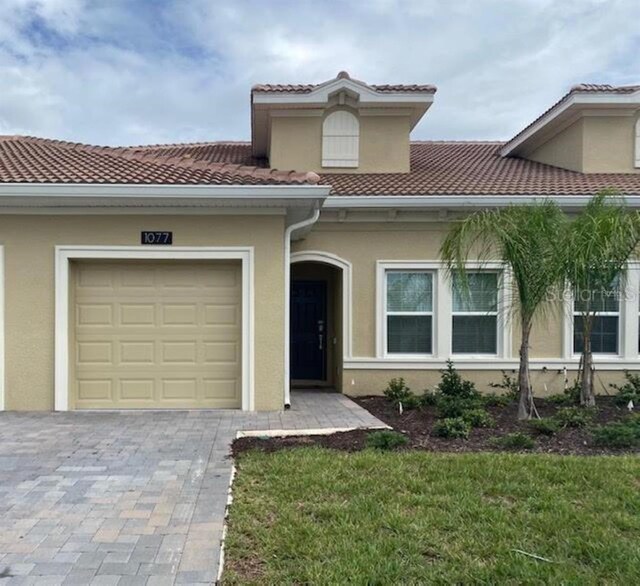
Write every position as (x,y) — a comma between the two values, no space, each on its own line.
(159,334)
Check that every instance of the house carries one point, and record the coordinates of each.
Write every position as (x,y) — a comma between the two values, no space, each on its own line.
(217,275)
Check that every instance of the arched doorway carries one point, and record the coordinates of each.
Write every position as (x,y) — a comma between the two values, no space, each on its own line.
(320,319)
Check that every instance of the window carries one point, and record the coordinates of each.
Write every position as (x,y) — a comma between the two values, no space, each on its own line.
(637,153)
(474,328)
(409,312)
(604,331)
(340,140)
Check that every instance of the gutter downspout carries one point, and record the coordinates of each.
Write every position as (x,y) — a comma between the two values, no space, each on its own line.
(287,298)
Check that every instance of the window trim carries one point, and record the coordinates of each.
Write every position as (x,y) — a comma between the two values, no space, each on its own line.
(497,313)
(442,319)
(628,321)
(432,314)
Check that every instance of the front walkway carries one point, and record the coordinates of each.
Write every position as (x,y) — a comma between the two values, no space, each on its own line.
(129,497)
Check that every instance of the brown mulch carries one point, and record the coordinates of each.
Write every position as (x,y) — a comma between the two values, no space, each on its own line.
(418,424)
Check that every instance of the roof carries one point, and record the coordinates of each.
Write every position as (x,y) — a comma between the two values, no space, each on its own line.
(26,159)
(442,168)
(308,88)
(579,89)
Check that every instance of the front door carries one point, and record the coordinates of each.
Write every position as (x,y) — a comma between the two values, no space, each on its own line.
(308,330)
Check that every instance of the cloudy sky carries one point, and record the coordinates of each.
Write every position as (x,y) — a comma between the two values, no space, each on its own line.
(154,71)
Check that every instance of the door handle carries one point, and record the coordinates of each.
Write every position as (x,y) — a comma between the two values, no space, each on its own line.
(320,346)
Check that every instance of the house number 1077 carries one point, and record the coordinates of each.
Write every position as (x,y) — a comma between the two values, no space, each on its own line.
(156,237)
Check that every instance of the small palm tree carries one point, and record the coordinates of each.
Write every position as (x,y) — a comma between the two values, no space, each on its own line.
(525,239)
(596,249)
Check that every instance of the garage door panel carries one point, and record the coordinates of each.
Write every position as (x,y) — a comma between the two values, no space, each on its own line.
(150,335)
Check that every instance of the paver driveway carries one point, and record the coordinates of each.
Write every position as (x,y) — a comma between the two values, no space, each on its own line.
(129,497)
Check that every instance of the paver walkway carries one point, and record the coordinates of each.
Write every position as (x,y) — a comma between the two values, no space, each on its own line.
(129,497)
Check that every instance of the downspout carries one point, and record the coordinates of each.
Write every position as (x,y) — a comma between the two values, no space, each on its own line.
(287,298)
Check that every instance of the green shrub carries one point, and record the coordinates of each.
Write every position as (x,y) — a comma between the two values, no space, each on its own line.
(478,418)
(386,440)
(513,441)
(629,391)
(428,399)
(397,391)
(453,385)
(570,396)
(449,407)
(560,399)
(623,434)
(509,385)
(411,402)
(573,417)
(494,400)
(452,427)
(544,426)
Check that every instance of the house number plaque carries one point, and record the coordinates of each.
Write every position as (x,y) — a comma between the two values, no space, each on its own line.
(156,237)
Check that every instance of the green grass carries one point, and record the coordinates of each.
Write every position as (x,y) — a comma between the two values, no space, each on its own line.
(314,516)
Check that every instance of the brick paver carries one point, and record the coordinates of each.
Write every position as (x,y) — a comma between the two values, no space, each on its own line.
(129,497)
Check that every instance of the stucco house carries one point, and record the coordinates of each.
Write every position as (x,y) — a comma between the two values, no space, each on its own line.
(218,275)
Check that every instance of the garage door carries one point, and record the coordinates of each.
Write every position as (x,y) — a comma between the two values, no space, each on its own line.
(156,335)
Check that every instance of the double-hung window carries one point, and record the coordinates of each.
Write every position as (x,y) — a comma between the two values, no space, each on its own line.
(474,328)
(605,306)
(409,312)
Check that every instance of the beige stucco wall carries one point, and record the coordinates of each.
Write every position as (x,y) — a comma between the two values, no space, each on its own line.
(363,244)
(359,383)
(609,144)
(592,144)
(565,149)
(296,143)
(29,243)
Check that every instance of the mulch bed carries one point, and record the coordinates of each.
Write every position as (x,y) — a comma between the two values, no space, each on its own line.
(417,425)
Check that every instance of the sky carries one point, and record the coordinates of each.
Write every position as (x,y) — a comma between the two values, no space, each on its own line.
(124,72)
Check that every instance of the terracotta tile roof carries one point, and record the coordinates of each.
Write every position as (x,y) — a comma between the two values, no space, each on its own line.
(309,87)
(592,88)
(450,168)
(446,168)
(36,160)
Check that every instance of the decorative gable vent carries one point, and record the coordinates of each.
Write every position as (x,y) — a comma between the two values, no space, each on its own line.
(637,153)
(340,140)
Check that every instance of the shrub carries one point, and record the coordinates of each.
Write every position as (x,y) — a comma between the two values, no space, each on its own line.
(478,418)
(623,434)
(513,441)
(570,396)
(386,440)
(509,385)
(411,402)
(453,385)
(629,391)
(397,391)
(560,399)
(428,399)
(573,417)
(452,427)
(449,407)
(494,400)
(544,426)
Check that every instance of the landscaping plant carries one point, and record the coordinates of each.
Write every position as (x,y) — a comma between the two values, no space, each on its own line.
(513,441)
(452,428)
(629,391)
(525,240)
(386,440)
(595,251)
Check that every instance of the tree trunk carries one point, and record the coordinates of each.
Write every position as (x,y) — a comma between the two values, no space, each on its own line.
(587,397)
(525,405)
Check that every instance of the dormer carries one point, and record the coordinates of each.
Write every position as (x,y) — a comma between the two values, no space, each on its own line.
(340,126)
(592,129)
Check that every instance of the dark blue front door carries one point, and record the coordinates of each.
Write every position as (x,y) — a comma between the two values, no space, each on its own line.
(308,330)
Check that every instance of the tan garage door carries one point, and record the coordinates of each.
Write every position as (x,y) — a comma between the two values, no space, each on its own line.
(161,334)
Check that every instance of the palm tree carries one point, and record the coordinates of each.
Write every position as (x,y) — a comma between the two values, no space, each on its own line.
(525,239)
(596,249)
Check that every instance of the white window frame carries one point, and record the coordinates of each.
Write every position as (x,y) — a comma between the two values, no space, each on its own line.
(341,141)
(442,314)
(628,323)
(431,313)
(637,144)
(497,313)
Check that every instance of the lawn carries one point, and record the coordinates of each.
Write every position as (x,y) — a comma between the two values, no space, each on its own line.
(318,516)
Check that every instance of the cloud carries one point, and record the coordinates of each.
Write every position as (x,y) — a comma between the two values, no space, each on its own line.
(123,72)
